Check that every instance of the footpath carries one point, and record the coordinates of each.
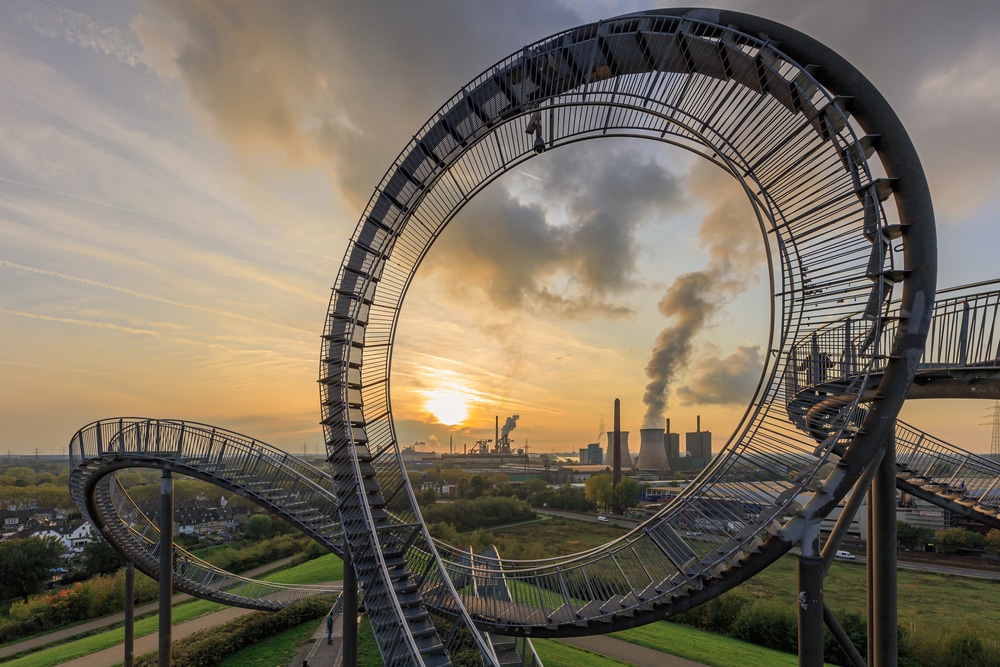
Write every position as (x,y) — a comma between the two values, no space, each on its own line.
(61,636)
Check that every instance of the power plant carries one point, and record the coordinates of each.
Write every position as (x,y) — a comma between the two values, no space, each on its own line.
(659,450)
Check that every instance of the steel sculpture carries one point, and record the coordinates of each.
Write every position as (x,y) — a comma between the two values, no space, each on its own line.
(817,151)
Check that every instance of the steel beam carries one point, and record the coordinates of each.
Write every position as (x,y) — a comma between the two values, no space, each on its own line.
(129,613)
(166,565)
(882,561)
(349,612)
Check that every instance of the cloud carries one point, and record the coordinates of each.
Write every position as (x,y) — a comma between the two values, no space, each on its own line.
(57,21)
(723,381)
(565,244)
(341,85)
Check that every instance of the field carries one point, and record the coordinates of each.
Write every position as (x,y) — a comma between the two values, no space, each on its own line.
(926,599)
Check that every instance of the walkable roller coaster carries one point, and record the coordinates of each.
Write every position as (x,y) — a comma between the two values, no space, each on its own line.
(848,230)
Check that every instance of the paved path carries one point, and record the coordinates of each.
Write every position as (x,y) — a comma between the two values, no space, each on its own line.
(317,652)
(60,636)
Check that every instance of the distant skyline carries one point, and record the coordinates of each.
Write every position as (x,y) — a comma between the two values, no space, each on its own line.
(179,179)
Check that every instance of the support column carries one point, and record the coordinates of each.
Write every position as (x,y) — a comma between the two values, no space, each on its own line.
(166,565)
(349,612)
(882,565)
(810,602)
(129,613)
(870,572)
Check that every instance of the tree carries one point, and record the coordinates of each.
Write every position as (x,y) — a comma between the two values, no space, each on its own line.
(626,494)
(427,496)
(258,526)
(99,557)
(25,565)
(598,489)
(993,542)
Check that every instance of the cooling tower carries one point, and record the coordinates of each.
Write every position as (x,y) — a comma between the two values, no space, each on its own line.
(626,457)
(652,454)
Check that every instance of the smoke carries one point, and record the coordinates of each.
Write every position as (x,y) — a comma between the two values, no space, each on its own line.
(693,298)
(724,381)
(509,425)
(600,430)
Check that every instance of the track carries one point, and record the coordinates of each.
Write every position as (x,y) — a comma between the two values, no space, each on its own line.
(817,150)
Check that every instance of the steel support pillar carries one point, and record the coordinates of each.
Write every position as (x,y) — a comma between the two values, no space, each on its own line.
(349,611)
(166,565)
(882,560)
(810,602)
(838,632)
(869,572)
(129,613)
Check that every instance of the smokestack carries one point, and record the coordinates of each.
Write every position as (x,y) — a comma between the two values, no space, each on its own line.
(697,427)
(451,444)
(616,455)
(496,433)
(668,425)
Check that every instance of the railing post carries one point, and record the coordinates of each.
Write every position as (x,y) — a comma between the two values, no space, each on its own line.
(963,339)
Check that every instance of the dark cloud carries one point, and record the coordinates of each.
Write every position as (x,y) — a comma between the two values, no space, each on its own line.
(723,381)
(342,85)
(521,259)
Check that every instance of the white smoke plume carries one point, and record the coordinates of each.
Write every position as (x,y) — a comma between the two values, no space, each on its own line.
(731,237)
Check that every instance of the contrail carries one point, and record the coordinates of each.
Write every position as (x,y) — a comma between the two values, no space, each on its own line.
(149,297)
(96,202)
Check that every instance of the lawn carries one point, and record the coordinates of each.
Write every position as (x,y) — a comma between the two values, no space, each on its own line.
(324,568)
(556,654)
(276,650)
(704,647)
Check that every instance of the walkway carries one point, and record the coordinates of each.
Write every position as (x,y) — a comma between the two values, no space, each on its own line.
(61,636)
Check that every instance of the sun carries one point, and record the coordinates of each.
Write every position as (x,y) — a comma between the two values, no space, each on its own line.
(448,406)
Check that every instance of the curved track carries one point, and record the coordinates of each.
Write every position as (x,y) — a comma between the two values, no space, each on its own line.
(817,150)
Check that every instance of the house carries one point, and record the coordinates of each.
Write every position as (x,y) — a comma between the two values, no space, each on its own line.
(74,535)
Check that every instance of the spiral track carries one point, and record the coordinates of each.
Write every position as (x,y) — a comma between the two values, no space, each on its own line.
(820,156)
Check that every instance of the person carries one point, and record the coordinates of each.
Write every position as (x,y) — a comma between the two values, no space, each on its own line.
(329,627)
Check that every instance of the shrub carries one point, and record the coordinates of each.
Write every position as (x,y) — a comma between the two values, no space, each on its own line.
(209,646)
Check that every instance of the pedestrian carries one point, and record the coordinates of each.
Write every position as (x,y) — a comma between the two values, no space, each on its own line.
(329,627)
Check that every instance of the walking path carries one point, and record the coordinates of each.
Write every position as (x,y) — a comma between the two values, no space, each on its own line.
(317,652)
(60,636)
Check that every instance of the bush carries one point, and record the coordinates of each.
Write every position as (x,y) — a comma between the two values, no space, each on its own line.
(209,646)
(769,624)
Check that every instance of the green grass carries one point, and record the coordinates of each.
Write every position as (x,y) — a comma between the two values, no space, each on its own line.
(317,570)
(556,654)
(704,647)
(368,655)
(276,650)
(324,568)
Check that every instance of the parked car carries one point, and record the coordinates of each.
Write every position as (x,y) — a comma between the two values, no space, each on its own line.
(846,555)
(602,518)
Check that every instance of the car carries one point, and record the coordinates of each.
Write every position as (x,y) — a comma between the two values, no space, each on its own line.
(693,533)
(602,518)
(846,555)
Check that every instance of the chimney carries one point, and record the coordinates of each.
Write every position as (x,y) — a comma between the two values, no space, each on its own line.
(616,456)
(496,434)
(698,424)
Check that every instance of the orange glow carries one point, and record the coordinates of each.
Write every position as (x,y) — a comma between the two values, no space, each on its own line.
(449,406)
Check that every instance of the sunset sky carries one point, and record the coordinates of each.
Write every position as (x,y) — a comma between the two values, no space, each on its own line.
(179,180)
